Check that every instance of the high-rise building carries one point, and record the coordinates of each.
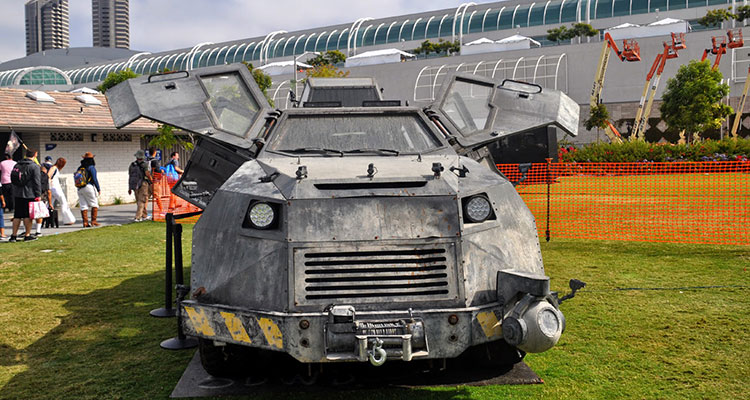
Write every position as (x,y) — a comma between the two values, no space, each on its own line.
(47,25)
(111,22)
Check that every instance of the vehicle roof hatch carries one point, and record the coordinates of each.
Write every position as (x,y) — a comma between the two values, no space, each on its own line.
(478,110)
(222,102)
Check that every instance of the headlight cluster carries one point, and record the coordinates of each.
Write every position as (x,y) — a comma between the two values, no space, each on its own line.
(262,215)
(477,208)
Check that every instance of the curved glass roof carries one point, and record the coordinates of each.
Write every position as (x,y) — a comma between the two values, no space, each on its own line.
(34,76)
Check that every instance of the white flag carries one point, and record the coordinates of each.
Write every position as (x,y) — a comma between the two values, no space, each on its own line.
(13,143)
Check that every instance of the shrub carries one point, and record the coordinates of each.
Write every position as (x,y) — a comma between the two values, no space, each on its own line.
(708,150)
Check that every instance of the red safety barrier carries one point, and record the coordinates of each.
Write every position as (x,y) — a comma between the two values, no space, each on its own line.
(165,202)
(681,202)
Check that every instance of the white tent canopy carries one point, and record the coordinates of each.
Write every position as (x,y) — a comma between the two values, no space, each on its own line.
(659,28)
(377,57)
(282,67)
(484,45)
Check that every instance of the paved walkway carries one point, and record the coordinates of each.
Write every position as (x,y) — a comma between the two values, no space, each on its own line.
(108,215)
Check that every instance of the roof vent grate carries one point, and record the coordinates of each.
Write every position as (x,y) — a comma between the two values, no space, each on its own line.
(89,100)
(40,97)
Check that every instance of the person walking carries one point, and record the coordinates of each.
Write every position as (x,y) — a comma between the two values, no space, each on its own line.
(57,193)
(5,167)
(47,162)
(25,178)
(2,217)
(174,161)
(45,197)
(139,182)
(88,189)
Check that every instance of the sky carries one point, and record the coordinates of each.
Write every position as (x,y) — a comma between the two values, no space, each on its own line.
(158,25)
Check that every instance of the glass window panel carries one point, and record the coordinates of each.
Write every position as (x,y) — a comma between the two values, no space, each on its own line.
(640,6)
(467,104)
(569,11)
(310,43)
(553,13)
(341,40)
(677,4)
(405,30)
(230,102)
(490,22)
(446,27)
(522,17)
(660,4)
(403,133)
(696,3)
(418,30)
(536,16)
(506,18)
(219,59)
(622,7)
(380,37)
(476,22)
(716,2)
(604,8)
(432,28)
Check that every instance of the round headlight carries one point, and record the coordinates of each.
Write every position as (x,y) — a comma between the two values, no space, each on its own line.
(477,209)
(549,324)
(261,215)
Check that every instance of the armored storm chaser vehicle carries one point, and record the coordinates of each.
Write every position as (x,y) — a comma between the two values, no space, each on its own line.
(356,234)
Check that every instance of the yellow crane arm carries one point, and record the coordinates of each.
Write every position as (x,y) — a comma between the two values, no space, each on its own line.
(740,107)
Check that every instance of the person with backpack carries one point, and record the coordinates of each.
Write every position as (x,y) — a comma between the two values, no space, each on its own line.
(88,189)
(26,182)
(139,181)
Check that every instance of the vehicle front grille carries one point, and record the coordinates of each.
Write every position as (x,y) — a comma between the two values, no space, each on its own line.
(397,273)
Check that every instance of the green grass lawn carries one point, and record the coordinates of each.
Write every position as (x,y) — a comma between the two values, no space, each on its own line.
(74,322)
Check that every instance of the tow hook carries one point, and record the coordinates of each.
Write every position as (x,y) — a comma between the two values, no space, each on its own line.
(575,285)
(377,355)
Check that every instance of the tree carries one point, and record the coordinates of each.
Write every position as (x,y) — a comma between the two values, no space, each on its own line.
(326,71)
(113,78)
(557,34)
(716,17)
(583,30)
(167,138)
(743,13)
(562,33)
(330,57)
(598,117)
(262,79)
(442,46)
(691,102)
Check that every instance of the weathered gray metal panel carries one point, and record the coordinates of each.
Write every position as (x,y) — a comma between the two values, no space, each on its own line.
(253,273)
(182,100)
(509,242)
(373,219)
(511,108)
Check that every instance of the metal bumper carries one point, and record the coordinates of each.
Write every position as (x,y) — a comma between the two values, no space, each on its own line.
(343,334)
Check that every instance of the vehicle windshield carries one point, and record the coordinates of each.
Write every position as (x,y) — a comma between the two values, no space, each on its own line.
(358,133)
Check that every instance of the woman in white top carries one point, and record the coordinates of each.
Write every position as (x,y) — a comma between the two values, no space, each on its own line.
(57,192)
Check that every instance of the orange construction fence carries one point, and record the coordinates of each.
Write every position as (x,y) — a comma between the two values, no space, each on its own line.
(680,202)
(163,201)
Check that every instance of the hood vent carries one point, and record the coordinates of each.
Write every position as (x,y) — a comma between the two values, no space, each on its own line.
(370,185)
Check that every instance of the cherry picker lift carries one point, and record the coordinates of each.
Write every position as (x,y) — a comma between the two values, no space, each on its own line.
(644,106)
(630,52)
(719,45)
